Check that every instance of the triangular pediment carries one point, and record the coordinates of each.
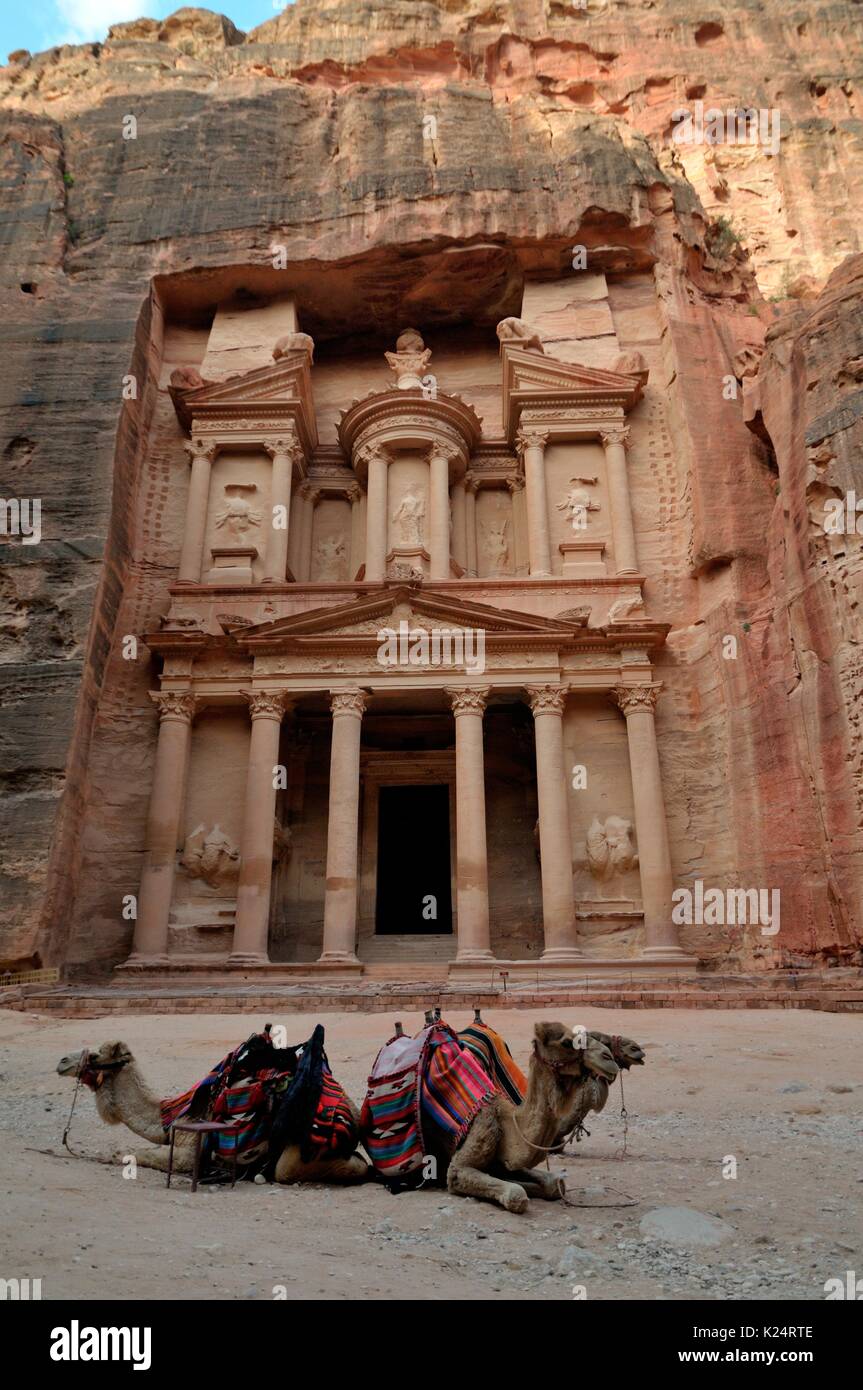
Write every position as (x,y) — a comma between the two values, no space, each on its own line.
(363,618)
(282,389)
(531,379)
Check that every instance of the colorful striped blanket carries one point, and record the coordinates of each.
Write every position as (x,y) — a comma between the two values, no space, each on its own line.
(298,1100)
(492,1052)
(423,1092)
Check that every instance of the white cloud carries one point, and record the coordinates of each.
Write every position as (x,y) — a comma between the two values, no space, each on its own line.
(88,21)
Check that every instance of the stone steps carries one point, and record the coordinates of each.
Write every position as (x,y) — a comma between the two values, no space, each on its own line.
(385,994)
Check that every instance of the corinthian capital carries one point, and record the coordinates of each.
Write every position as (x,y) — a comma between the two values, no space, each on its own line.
(546,699)
(267,704)
(309,493)
(287,444)
(515,484)
(201,449)
(618,434)
(531,439)
(368,453)
(468,701)
(631,698)
(175,705)
(348,702)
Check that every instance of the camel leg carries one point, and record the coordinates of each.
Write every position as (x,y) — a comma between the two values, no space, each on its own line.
(465,1181)
(158,1158)
(540,1183)
(290,1168)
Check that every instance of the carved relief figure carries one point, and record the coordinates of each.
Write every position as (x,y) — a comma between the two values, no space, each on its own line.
(409,361)
(624,608)
(210,855)
(516,330)
(408,518)
(578,502)
(237,515)
(610,850)
(331,555)
(496,544)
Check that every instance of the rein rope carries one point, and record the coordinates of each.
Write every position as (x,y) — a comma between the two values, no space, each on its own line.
(78,1074)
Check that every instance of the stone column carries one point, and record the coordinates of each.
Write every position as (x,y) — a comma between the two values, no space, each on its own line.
(201,454)
(532,445)
(474,937)
(310,496)
(459,524)
(471,490)
(521,560)
(555,842)
(256,850)
(340,901)
(638,703)
(283,452)
(439,518)
(355,497)
(376,516)
(625,555)
(167,796)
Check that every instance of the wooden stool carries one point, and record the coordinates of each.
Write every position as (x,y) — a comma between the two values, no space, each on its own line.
(199,1128)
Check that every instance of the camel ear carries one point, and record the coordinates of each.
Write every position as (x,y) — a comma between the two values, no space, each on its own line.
(548,1033)
(118,1052)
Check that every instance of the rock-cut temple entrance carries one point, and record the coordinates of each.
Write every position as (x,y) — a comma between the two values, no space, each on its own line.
(414,895)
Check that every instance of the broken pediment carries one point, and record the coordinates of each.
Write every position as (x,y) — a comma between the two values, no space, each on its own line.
(276,393)
(531,379)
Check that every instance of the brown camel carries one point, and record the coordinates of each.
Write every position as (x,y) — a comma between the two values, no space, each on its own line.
(496,1159)
(592,1094)
(123,1097)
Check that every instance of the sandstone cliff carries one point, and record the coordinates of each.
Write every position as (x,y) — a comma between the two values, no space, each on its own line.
(553,127)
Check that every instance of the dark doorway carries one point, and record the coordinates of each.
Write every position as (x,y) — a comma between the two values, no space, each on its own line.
(413,862)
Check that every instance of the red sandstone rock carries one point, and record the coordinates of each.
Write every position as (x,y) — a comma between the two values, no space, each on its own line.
(552,129)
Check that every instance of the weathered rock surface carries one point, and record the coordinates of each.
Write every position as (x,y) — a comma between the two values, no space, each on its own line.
(552,127)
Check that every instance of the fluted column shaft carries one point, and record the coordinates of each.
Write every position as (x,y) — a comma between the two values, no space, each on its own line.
(256,850)
(474,933)
(555,842)
(340,900)
(310,497)
(439,566)
(355,497)
(282,452)
(194,530)
(533,444)
(471,490)
(654,856)
(625,554)
(459,520)
(167,796)
(376,517)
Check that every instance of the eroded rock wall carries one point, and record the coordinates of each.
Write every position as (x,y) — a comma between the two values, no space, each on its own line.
(551,128)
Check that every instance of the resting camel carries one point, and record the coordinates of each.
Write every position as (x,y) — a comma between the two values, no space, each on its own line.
(123,1097)
(592,1094)
(496,1160)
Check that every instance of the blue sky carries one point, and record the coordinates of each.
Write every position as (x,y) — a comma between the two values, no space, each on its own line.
(43,23)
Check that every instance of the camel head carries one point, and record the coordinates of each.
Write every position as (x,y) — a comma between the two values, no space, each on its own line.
(573,1052)
(94,1067)
(625,1051)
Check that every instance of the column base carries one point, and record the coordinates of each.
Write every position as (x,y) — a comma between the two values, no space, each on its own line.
(247,958)
(540,574)
(675,955)
(346,958)
(559,955)
(471,957)
(142,962)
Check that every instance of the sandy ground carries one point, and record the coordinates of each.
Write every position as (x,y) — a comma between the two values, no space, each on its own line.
(778,1090)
